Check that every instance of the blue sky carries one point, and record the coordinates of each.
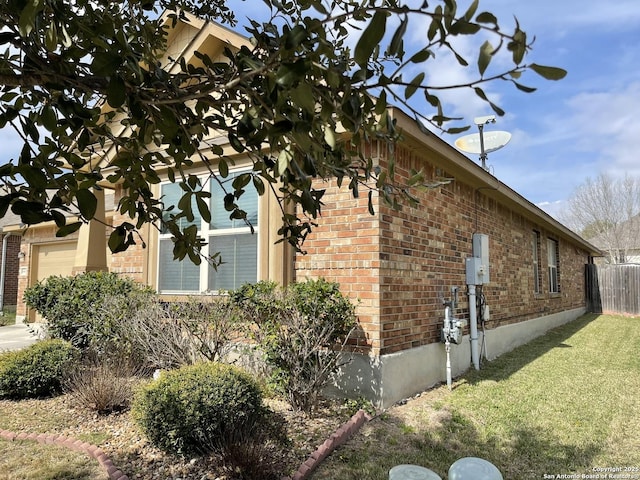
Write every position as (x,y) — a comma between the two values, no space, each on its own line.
(586,124)
(566,131)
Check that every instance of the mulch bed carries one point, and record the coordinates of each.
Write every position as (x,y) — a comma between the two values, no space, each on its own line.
(130,451)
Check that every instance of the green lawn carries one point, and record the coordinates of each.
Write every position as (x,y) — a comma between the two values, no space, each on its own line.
(8,317)
(566,403)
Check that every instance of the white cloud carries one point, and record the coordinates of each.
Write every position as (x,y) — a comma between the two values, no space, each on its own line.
(559,16)
(607,124)
(553,208)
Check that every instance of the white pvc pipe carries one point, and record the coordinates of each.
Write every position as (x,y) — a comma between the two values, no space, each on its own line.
(447,343)
(447,347)
(473,327)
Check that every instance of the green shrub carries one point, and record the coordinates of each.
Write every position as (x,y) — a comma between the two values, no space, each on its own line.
(199,408)
(323,304)
(36,371)
(69,304)
(302,331)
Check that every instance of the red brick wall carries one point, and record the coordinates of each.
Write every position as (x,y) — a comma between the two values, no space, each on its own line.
(12,265)
(345,248)
(401,263)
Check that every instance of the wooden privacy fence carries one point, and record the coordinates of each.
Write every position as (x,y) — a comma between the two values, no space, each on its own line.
(613,289)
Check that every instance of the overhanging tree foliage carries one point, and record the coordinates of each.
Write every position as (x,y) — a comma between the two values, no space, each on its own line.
(77,77)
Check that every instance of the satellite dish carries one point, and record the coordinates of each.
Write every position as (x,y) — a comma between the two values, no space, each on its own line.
(492,141)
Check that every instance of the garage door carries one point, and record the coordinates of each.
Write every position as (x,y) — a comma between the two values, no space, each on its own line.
(55,259)
(52,259)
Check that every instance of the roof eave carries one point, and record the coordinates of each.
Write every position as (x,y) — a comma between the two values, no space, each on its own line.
(463,168)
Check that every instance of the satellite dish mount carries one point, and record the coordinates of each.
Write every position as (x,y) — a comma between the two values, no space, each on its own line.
(481,122)
(483,142)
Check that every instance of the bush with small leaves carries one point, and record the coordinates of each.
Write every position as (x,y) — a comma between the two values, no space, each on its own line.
(200,408)
(302,331)
(69,305)
(36,371)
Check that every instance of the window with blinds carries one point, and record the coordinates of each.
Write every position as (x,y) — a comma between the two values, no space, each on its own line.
(552,262)
(232,238)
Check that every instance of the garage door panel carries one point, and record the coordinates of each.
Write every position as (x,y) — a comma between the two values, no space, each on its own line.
(55,259)
(51,259)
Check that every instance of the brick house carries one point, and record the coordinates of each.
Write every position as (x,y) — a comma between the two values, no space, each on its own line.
(398,265)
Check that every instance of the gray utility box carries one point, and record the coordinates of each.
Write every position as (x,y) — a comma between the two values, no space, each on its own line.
(477,267)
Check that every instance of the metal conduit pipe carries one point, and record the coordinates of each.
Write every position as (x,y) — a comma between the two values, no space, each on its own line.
(473,327)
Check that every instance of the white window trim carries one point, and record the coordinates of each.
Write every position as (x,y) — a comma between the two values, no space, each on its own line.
(205,232)
(552,261)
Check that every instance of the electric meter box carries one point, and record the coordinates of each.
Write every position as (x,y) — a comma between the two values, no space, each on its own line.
(474,271)
(477,267)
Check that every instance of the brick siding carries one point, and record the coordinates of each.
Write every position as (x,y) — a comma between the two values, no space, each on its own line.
(12,265)
(399,264)
(132,262)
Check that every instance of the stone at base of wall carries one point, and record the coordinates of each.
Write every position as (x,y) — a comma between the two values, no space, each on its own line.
(386,379)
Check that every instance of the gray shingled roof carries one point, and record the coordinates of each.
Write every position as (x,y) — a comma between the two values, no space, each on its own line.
(11,219)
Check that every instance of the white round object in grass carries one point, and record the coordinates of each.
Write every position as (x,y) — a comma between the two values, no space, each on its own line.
(472,468)
(412,472)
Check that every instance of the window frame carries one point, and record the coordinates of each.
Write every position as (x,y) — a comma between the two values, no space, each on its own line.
(553,265)
(535,248)
(206,231)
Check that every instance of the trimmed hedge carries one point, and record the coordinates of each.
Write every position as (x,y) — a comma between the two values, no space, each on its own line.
(200,408)
(36,371)
(70,304)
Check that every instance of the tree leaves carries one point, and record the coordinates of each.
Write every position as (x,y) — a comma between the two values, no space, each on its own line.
(87,203)
(297,104)
(370,38)
(116,92)
(30,212)
(105,63)
(27,20)
(414,85)
(486,52)
(549,73)
(395,47)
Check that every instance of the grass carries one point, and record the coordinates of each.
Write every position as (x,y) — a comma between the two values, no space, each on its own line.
(27,460)
(565,403)
(8,317)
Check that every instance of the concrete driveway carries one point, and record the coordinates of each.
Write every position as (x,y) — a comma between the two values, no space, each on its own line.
(20,335)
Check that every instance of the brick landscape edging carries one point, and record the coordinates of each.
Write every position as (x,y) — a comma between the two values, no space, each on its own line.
(340,436)
(69,442)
